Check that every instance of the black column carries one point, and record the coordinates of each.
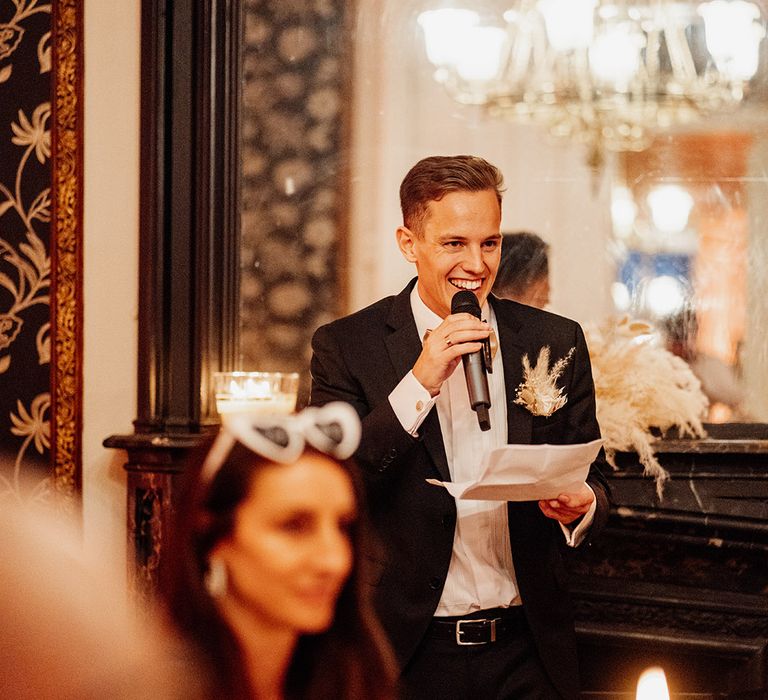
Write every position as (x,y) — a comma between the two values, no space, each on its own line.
(188,283)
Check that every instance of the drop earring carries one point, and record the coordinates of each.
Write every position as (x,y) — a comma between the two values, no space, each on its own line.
(216,578)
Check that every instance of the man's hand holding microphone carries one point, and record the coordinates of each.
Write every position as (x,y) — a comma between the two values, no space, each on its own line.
(461,335)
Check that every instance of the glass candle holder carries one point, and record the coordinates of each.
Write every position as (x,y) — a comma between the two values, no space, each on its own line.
(256,392)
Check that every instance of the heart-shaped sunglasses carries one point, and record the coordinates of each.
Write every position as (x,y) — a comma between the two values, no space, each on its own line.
(334,429)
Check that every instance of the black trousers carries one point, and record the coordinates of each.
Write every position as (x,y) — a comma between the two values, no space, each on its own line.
(507,669)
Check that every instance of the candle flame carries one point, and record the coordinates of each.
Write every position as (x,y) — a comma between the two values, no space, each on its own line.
(652,684)
(252,389)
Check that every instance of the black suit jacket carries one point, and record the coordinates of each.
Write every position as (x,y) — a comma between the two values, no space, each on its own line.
(360,359)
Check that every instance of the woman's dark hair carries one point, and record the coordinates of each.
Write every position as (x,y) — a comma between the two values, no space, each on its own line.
(434,177)
(349,660)
(524,259)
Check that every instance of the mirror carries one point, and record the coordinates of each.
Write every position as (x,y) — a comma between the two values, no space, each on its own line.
(338,103)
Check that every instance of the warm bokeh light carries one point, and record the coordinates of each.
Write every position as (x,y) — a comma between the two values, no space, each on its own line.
(620,295)
(733,32)
(442,30)
(652,684)
(664,296)
(569,22)
(623,211)
(481,55)
(670,208)
(615,55)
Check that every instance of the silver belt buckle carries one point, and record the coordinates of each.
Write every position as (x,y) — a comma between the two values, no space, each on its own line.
(474,644)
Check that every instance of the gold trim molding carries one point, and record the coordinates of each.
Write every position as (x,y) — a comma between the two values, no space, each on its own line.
(66,248)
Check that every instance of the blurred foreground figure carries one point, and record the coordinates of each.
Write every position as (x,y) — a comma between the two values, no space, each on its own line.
(67,629)
(263,572)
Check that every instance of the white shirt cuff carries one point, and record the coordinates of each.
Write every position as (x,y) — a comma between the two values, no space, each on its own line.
(575,537)
(411,403)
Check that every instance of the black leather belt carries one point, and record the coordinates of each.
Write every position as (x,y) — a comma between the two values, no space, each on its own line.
(498,624)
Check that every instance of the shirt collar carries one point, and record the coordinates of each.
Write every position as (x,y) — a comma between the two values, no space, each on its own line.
(426,319)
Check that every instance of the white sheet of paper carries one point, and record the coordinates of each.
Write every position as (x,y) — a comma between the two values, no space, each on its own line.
(527,472)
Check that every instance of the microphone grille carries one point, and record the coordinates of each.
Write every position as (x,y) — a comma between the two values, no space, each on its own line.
(466,302)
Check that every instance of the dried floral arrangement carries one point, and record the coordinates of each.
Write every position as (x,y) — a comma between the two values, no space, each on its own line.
(538,391)
(642,390)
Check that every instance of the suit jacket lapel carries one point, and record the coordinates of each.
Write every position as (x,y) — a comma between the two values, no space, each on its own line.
(519,420)
(403,342)
(404,345)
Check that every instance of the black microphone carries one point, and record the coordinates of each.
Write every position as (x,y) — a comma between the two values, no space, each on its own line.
(474,362)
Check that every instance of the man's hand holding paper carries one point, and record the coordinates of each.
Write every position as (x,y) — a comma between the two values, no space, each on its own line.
(548,473)
(568,507)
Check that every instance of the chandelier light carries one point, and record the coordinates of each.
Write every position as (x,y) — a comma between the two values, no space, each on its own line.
(670,207)
(604,71)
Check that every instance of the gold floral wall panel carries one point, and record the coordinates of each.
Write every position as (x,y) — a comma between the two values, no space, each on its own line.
(40,180)
(295,79)
(25,236)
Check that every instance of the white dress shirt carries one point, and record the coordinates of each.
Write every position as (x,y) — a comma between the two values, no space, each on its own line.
(481,574)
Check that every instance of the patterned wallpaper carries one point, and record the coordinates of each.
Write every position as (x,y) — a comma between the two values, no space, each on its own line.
(294,77)
(25,266)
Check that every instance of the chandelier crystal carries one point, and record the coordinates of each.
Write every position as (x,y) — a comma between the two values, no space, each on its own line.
(606,72)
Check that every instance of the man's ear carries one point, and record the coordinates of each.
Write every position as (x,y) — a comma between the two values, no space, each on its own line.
(405,241)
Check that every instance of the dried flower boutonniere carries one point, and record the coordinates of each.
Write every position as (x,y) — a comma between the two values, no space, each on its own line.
(538,391)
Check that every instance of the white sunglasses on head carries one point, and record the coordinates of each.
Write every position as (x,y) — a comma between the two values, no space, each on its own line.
(334,429)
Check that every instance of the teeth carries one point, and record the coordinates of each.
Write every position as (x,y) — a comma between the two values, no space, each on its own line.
(472,285)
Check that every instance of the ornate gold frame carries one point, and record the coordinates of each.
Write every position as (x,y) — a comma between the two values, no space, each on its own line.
(66,248)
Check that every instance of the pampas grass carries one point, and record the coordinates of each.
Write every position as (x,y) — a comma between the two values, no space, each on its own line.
(641,387)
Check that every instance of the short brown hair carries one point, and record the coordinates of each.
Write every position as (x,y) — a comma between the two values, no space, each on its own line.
(434,177)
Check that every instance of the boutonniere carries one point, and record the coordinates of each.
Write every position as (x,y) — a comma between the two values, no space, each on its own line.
(538,391)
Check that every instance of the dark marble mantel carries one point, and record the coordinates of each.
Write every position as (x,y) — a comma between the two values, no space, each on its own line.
(710,445)
(682,580)
(156,462)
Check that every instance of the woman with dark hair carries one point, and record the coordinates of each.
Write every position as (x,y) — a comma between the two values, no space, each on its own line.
(263,572)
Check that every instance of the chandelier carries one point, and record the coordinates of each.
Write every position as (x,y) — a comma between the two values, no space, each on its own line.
(605,72)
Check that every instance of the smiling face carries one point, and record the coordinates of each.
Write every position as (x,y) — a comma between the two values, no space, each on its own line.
(458,247)
(290,552)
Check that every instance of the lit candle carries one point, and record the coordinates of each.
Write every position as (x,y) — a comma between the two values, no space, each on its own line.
(256,392)
(652,685)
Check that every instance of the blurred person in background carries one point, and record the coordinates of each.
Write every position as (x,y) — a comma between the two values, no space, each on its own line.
(523,274)
(263,573)
(720,381)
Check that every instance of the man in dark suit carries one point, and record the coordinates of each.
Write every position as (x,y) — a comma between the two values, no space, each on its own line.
(471,593)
